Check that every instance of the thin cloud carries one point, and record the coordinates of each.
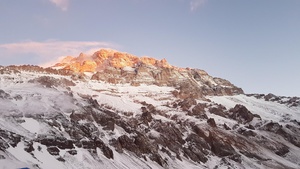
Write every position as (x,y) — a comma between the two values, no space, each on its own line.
(195,4)
(48,51)
(62,4)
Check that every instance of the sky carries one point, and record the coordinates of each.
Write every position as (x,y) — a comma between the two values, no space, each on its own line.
(255,44)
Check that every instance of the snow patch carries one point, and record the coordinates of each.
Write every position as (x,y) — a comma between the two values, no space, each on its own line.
(31,125)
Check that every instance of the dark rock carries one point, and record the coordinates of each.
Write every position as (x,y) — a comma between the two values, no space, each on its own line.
(293,128)
(75,133)
(14,139)
(140,145)
(29,147)
(117,145)
(110,125)
(250,127)
(144,109)
(128,126)
(226,127)
(187,103)
(269,96)
(128,144)
(105,120)
(87,144)
(151,108)
(170,136)
(199,141)
(282,151)
(252,155)
(199,108)
(219,146)
(241,114)
(60,142)
(194,154)
(54,123)
(295,122)
(272,127)
(157,158)
(200,154)
(51,82)
(199,111)
(80,116)
(235,126)
(4,95)
(293,138)
(164,150)
(257,116)
(97,142)
(94,103)
(236,158)
(246,132)
(211,122)
(188,90)
(3,144)
(107,152)
(146,117)
(61,159)
(105,149)
(144,144)
(218,110)
(18,97)
(72,152)
(53,150)
(200,132)
(178,157)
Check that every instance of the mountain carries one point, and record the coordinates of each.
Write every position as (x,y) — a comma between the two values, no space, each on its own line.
(116,67)
(117,110)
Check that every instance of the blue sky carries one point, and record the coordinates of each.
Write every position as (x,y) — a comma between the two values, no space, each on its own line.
(255,44)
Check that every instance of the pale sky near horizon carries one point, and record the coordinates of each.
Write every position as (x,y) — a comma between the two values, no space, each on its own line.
(253,44)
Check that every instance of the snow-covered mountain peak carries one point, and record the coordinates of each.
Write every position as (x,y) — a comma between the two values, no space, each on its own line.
(141,117)
(121,68)
(108,58)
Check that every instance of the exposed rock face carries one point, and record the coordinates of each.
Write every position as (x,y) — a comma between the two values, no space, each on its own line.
(4,95)
(285,132)
(53,150)
(241,114)
(199,111)
(117,67)
(291,101)
(211,122)
(52,82)
(220,146)
(88,66)
(219,110)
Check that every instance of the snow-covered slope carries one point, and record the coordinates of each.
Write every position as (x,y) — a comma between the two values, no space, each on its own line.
(66,121)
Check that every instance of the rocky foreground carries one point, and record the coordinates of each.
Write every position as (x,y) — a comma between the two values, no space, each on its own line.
(115,110)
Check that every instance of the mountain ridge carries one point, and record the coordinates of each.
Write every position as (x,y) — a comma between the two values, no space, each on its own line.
(141,117)
(119,67)
(107,57)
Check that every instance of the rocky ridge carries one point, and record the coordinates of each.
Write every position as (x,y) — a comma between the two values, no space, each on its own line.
(118,67)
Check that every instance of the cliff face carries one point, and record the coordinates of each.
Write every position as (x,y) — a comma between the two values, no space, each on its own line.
(117,67)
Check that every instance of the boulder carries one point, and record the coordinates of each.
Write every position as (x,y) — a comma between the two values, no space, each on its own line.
(241,114)
(53,150)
